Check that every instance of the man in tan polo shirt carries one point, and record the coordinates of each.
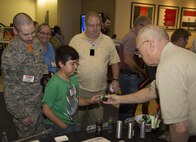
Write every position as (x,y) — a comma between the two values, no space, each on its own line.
(96,52)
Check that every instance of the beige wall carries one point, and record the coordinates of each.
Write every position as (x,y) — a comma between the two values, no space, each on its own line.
(8,8)
(66,13)
(41,8)
(123,12)
(35,8)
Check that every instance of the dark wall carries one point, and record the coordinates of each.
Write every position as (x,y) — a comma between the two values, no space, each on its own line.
(69,17)
(69,12)
(105,6)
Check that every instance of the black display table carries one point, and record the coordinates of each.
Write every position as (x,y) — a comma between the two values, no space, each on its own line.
(83,135)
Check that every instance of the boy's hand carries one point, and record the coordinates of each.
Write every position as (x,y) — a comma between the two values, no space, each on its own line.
(94,99)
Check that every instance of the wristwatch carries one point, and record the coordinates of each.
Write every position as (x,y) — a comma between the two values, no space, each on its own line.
(115,79)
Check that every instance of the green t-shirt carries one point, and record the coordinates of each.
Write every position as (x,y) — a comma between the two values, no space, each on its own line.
(62,97)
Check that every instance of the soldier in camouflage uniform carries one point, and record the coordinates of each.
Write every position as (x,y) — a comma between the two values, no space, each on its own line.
(22,69)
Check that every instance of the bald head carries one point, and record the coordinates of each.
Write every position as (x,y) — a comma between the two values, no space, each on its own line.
(150,42)
(21,19)
(24,27)
(155,32)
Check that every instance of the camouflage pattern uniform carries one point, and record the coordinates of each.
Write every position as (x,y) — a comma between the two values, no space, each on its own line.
(23,98)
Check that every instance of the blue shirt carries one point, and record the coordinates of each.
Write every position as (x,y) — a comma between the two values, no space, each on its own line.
(49,58)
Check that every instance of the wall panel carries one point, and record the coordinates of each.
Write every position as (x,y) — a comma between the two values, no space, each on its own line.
(123,10)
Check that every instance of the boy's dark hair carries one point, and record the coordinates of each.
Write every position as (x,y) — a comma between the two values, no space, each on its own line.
(65,53)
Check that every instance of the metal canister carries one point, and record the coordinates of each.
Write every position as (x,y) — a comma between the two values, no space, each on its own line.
(119,129)
(143,129)
(130,130)
(99,127)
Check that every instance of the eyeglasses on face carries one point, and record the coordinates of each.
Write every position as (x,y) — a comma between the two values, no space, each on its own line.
(138,48)
(46,34)
(94,25)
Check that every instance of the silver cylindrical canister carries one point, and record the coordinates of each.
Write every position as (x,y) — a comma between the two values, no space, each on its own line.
(119,129)
(130,130)
(143,129)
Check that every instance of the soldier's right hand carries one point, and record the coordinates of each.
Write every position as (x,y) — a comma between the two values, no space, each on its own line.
(26,121)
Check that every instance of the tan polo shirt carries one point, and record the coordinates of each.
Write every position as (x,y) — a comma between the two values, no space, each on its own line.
(92,70)
(176,82)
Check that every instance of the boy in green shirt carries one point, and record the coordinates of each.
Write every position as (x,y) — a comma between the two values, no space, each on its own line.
(61,96)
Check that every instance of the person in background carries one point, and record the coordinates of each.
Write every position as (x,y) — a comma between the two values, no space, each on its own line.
(105,25)
(175,82)
(193,47)
(43,35)
(57,38)
(132,71)
(105,29)
(36,24)
(61,96)
(22,69)
(180,37)
(96,51)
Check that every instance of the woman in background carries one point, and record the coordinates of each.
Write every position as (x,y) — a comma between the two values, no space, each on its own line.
(44,34)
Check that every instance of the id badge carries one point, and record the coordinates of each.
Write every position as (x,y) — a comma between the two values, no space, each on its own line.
(72,91)
(53,64)
(92,52)
(28,78)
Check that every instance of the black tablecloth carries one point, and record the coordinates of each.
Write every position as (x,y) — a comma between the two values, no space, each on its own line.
(83,135)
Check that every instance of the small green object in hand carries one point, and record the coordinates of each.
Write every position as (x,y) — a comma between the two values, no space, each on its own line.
(103,98)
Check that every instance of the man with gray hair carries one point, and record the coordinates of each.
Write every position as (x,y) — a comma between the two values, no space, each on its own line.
(22,69)
(131,67)
(96,51)
(175,82)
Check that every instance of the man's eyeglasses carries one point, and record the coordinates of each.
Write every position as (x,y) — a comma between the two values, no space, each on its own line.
(138,48)
(43,33)
(94,25)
